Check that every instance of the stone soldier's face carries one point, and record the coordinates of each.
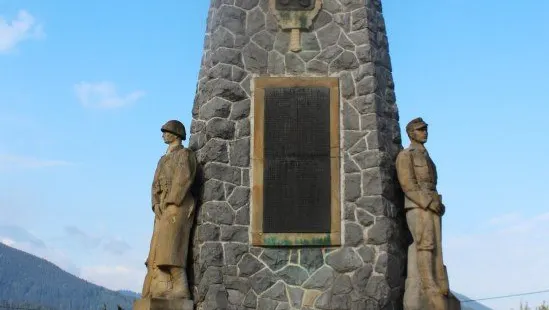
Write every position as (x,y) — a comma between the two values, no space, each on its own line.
(420,134)
(168,137)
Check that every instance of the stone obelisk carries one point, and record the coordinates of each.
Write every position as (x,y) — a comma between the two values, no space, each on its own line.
(337,52)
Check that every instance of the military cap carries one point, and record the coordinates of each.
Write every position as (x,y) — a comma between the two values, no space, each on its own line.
(175,127)
(416,123)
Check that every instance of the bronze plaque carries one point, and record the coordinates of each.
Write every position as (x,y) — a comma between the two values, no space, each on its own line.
(296,179)
(295,5)
(295,162)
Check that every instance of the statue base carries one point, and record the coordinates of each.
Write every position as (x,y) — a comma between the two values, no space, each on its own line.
(163,304)
(416,298)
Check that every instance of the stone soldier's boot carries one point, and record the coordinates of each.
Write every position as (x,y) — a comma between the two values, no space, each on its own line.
(180,288)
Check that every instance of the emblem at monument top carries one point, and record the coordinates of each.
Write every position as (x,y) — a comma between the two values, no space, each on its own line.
(295,15)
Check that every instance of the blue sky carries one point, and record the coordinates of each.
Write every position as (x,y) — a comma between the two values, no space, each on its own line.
(85,86)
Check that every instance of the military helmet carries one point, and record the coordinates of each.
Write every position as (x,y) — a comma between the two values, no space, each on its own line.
(175,127)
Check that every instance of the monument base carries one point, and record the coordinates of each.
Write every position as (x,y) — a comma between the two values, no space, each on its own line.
(163,304)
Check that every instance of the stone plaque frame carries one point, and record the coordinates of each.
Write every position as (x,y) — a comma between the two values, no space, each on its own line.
(328,238)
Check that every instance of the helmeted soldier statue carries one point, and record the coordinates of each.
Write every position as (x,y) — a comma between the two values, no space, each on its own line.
(173,206)
(427,281)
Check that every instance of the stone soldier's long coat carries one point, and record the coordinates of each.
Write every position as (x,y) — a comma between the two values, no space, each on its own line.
(171,185)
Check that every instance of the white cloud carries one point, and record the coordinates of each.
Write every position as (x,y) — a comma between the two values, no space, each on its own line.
(104,95)
(510,257)
(14,161)
(118,277)
(7,241)
(23,27)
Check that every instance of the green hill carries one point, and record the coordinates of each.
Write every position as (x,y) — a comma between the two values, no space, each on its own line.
(27,279)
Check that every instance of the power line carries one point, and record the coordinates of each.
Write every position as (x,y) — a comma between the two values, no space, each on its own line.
(506,296)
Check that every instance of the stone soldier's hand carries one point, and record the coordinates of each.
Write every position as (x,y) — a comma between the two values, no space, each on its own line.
(435,206)
(442,209)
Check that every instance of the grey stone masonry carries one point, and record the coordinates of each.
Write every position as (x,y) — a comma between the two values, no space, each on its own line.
(347,40)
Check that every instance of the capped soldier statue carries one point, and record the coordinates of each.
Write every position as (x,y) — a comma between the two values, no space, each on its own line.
(426,285)
(166,285)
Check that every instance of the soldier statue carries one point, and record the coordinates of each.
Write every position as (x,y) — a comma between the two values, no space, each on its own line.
(173,206)
(427,285)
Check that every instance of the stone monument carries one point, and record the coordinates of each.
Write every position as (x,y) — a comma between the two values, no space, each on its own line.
(165,286)
(296,133)
(427,285)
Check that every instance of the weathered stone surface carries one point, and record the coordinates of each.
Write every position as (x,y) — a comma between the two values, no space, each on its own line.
(239,197)
(294,64)
(276,292)
(235,297)
(241,109)
(344,260)
(243,128)
(283,306)
(317,66)
(364,218)
(380,232)
(360,279)
(367,253)
(378,288)
(264,39)
(321,20)
(351,119)
(276,63)
(240,152)
(223,173)
(352,187)
(342,285)
(255,58)
(275,258)
(309,42)
(249,265)
(329,35)
(322,279)
(211,254)
(295,295)
(217,107)
(220,128)
(311,259)
(234,252)
(349,211)
(237,283)
(267,304)
(255,21)
(246,4)
(243,216)
(250,301)
(215,150)
(213,190)
(208,232)
(217,212)
(234,233)
(263,280)
(293,275)
(231,18)
(346,61)
(353,234)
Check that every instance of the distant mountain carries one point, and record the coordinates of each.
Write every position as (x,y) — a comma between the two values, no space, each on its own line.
(129,293)
(471,305)
(27,279)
